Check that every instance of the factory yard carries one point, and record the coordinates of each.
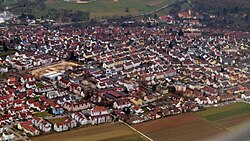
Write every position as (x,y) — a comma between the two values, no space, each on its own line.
(55,68)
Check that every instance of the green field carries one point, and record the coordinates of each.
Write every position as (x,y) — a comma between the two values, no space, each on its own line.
(3,54)
(56,120)
(9,2)
(101,8)
(54,9)
(227,116)
(42,114)
(105,132)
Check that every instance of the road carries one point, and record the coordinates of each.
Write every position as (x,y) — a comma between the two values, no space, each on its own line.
(143,135)
(237,100)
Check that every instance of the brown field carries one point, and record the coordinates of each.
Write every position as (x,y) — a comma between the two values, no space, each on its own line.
(53,68)
(184,127)
(106,132)
(234,121)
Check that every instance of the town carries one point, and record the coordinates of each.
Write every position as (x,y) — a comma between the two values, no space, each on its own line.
(133,70)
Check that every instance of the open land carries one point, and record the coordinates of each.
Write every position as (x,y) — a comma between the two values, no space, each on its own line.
(53,68)
(57,120)
(106,132)
(42,114)
(179,128)
(102,8)
(3,54)
(227,116)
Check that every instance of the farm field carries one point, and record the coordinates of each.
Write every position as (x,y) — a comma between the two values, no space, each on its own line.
(53,68)
(227,116)
(181,127)
(102,8)
(106,132)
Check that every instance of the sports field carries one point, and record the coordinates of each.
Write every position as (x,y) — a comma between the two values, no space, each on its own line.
(183,127)
(106,132)
(53,68)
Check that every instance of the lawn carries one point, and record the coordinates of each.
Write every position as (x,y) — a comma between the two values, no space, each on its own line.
(3,54)
(9,2)
(183,127)
(39,85)
(42,114)
(57,120)
(101,8)
(227,116)
(105,132)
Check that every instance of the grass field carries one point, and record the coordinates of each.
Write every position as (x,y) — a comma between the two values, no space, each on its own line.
(184,127)
(227,116)
(9,2)
(106,132)
(56,120)
(102,8)
(3,54)
(42,114)
(53,68)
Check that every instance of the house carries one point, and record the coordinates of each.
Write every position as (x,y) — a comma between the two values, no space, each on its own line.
(122,103)
(99,115)
(72,107)
(26,79)
(7,136)
(136,101)
(185,14)
(60,127)
(31,84)
(149,98)
(137,110)
(41,124)
(64,83)
(212,100)
(75,88)
(209,91)
(45,89)
(12,81)
(201,100)
(67,124)
(225,97)
(80,118)
(28,128)
(246,96)
(57,110)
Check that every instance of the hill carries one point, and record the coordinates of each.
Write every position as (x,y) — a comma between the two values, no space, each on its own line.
(229,13)
(58,9)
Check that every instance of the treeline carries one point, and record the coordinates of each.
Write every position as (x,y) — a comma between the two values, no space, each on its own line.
(38,9)
(229,13)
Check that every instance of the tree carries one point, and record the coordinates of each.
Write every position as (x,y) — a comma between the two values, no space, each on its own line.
(5,48)
(181,33)
(127,10)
